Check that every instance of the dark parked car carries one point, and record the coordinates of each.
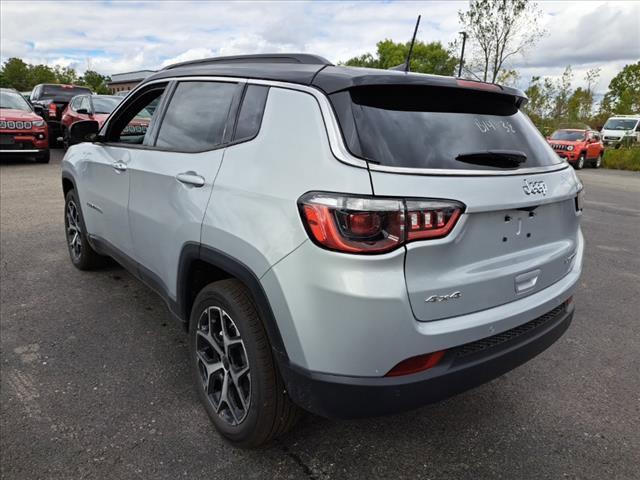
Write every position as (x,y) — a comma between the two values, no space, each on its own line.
(52,99)
(22,131)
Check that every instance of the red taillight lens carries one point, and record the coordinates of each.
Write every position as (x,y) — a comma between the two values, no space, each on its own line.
(53,110)
(416,364)
(374,225)
(478,85)
(353,225)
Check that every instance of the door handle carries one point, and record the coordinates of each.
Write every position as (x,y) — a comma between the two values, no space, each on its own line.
(119,166)
(190,178)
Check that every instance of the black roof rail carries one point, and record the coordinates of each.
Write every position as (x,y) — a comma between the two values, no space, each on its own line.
(301,58)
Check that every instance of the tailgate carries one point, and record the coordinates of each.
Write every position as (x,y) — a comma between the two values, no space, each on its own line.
(508,244)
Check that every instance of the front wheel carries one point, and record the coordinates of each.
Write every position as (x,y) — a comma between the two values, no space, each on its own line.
(44,157)
(598,161)
(234,369)
(580,163)
(82,255)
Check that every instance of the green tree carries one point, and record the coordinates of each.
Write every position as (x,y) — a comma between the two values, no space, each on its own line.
(95,81)
(41,74)
(15,74)
(623,96)
(65,74)
(499,30)
(425,58)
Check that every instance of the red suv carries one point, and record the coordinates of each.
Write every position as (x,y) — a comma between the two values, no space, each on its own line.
(87,107)
(578,147)
(22,131)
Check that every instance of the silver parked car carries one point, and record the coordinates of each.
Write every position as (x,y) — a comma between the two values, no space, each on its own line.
(353,242)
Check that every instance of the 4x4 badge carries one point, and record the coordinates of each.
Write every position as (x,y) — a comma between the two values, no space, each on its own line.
(534,187)
(444,298)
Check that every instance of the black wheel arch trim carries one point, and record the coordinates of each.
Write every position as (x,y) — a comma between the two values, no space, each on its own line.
(194,251)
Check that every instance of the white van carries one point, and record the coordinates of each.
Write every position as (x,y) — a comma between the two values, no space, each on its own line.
(620,126)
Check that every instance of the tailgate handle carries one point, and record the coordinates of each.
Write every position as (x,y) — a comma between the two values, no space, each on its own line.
(526,281)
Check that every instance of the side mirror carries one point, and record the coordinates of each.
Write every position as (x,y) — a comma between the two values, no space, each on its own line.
(83,111)
(39,109)
(83,131)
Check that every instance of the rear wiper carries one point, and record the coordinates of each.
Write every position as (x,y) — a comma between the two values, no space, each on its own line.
(494,158)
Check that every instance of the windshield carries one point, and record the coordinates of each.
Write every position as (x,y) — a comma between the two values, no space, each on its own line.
(438,127)
(64,92)
(620,124)
(14,101)
(105,104)
(568,135)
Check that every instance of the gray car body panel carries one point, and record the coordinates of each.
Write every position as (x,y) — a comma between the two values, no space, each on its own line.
(337,313)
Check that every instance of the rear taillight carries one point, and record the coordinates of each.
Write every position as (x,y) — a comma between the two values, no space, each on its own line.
(374,225)
(416,364)
(53,110)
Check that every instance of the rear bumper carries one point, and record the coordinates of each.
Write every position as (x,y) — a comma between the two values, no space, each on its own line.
(461,369)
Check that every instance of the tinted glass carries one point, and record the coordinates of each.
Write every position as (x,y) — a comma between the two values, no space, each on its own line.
(568,135)
(105,104)
(428,127)
(63,92)
(251,112)
(14,101)
(197,116)
(84,103)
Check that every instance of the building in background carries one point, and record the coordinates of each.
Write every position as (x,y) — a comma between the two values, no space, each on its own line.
(121,82)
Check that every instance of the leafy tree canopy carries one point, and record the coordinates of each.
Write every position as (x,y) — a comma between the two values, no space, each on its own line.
(425,58)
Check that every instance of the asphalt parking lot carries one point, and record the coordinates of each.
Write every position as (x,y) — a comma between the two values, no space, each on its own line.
(94,378)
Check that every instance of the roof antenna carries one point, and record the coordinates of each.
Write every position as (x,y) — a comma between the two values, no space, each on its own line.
(405,66)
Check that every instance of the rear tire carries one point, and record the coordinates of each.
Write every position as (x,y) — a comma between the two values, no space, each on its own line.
(82,255)
(229,346)
(44,157)
(580,162)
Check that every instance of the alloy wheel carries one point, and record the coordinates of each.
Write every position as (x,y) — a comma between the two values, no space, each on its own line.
(223,365)
(72,224)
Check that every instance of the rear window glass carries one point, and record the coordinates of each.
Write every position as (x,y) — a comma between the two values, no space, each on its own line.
(63,91)
(429,127)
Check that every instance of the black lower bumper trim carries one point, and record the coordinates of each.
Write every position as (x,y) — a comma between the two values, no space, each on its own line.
(335,396)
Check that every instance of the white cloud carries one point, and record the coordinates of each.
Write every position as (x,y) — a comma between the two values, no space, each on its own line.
(113,37)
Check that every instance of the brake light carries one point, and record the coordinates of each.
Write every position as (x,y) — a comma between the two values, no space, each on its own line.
(53,110)
(374,225)
(478,85)
(416,364)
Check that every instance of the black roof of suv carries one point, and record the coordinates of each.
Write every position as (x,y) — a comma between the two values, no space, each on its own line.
(313,70)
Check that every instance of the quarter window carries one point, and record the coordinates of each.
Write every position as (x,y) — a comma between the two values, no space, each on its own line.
(251,112)
(196,117)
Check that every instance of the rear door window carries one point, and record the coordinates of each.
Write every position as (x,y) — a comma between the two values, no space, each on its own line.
(197,116)
(435,127)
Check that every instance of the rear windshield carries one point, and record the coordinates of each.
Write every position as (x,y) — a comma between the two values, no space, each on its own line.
(428,127)
(63,91)
(568,135)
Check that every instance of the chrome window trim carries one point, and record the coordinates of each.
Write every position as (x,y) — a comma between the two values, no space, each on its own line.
(334,134)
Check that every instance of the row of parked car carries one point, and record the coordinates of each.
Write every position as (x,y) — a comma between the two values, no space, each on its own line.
(30,125)
(30,122)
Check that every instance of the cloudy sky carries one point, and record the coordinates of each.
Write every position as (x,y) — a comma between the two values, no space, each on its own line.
(120,36)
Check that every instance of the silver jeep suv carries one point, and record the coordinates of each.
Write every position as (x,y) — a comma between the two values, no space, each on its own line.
(353,242)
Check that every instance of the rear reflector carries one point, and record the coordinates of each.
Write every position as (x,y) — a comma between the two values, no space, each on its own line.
(351,224)
(416,364)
